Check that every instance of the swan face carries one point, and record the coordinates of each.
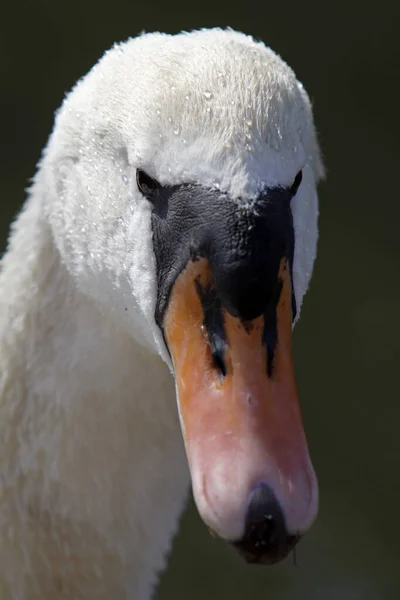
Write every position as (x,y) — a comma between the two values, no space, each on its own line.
(177,206)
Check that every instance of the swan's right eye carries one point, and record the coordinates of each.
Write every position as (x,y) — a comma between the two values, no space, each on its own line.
(146,184)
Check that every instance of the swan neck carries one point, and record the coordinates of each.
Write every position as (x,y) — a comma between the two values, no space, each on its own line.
(89,418)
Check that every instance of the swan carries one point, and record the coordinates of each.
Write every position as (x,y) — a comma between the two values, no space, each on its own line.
(160,260)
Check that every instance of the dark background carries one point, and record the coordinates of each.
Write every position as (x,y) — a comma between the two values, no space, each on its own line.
(347,346)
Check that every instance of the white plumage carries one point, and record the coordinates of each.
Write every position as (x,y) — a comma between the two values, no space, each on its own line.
(93,471)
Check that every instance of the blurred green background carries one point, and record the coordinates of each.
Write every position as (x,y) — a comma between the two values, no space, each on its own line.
(347,345)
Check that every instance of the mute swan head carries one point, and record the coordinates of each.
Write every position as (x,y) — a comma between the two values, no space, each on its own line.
(181,191)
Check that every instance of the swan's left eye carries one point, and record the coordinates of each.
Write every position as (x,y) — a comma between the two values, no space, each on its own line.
(146,184)
(296,183)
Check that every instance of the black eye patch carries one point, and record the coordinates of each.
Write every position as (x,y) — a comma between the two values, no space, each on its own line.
(243,247)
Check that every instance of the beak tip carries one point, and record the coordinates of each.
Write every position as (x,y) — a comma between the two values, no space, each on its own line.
(254,556)
(265,540)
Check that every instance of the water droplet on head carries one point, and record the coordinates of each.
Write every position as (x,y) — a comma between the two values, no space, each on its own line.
(176,130)
(207,95)
(124,179)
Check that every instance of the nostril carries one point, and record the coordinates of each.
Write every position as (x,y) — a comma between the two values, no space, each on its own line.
(266,539)
(218,361)
(213,325)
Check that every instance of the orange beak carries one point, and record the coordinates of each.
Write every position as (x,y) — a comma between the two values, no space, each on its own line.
(239,408)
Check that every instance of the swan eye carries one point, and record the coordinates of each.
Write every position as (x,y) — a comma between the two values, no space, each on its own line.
(296,183)
(146,184)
